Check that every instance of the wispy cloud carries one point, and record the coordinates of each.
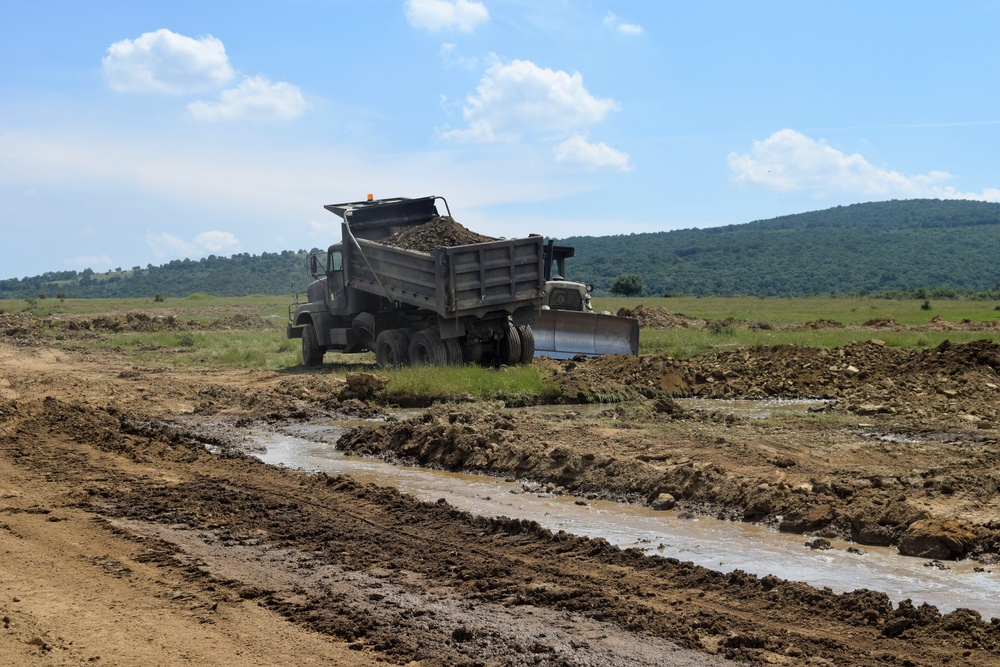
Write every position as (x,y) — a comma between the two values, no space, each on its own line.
(95,262)
(165,62)
(255,98)
(435,15)
(789,161)
(203,244)
(611,21)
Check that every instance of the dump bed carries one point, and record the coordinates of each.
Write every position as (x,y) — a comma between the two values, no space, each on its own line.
(453,282)
(464,280)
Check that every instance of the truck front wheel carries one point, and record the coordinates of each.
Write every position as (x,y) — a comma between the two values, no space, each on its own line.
(312,353)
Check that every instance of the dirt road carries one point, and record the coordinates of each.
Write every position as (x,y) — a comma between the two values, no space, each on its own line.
(124,540)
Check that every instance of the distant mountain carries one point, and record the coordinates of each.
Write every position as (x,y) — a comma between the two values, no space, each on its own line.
(949,246)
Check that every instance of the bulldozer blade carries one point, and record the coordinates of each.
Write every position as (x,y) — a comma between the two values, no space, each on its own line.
(562,334)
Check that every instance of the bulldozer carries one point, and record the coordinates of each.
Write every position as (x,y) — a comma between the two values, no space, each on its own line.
(566,324)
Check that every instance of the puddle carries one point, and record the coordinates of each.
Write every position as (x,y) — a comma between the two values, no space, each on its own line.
(755,408)
(720,545)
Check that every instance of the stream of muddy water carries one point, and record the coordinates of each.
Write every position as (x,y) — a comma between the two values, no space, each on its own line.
(720,545)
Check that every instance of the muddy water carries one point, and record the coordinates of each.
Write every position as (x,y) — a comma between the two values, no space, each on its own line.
(719,545)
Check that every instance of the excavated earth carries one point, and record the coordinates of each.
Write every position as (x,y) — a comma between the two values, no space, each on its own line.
(135,529)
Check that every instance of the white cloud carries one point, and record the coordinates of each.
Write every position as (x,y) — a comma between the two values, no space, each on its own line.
(611,20)
(435,15)
(95,262)
(519,97)
(206,243)
(579,152)
(255,98)
(451,58)
(165,62)
(789,161)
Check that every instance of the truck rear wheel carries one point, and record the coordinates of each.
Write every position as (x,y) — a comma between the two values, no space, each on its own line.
(527,337)
(391,349)
(427,348)
(510,346)
(312,353)
(454,350)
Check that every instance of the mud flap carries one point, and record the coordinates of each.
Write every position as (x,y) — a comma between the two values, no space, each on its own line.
(562,334)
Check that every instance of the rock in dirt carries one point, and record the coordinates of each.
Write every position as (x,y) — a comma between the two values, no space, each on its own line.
(936,538)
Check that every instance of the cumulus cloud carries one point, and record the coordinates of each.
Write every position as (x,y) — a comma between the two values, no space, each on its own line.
(165,62)
(790,161)
(206,243)
(520,97)
(611,21)
(579,152)
(255,98)
(435,15)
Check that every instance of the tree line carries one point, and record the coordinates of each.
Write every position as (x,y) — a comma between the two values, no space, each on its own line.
(923,248)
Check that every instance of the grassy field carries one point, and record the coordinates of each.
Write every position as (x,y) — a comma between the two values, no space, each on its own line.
(270,349)
(800,311)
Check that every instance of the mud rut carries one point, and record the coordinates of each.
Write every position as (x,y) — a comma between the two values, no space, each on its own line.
(392,579)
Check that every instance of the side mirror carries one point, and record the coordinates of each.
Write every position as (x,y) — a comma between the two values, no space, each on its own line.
(313,265)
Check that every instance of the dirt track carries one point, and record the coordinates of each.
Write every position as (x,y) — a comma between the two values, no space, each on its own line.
(124,541)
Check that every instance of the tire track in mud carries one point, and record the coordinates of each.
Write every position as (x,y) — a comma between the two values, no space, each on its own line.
(280,532)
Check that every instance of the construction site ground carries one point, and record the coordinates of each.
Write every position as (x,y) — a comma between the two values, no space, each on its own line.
(136,529)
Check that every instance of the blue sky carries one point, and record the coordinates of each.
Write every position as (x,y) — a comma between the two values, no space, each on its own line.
(134,133)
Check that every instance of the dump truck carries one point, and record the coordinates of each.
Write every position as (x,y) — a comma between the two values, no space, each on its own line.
(462,304)
(567,325)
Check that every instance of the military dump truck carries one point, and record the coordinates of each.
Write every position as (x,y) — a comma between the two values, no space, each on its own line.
(471,303)
(567,324)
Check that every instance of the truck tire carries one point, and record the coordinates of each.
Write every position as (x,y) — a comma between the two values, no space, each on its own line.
(454,350)
(391,349)
(427,349)
(510,346)
(527,337)
(312,353)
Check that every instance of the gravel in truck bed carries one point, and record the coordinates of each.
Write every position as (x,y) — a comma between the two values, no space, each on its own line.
(440,232)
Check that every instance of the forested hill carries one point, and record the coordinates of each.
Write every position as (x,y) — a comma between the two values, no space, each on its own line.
(928,244)
(239,275)
(947,246)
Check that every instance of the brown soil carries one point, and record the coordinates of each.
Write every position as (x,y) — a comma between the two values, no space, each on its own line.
(124,541)
(439,232)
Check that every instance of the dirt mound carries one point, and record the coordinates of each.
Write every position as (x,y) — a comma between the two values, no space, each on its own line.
(240,321)
(882,323)
(659,318)
(440,232)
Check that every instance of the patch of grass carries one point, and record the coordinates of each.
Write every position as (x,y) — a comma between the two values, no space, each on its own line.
(242,349)
(518,385)
(687,343)
(846,310)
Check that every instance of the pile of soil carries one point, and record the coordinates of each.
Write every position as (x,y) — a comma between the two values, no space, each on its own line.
(440,232)
(659,318)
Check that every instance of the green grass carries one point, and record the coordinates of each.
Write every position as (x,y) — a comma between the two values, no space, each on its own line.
(518,385)
(799,311)
(241,349)
(687,343)
(200,307)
